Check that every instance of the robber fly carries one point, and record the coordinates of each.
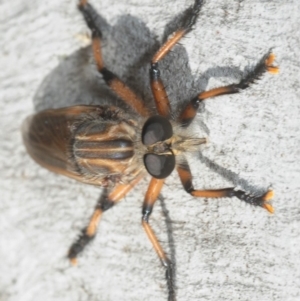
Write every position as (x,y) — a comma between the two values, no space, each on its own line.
(109,147)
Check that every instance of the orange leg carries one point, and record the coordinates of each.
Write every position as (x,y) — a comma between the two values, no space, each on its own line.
(115,84)
(160,96)
(159,92)
(106,201)
(264,65)
(153,191)
(186,180)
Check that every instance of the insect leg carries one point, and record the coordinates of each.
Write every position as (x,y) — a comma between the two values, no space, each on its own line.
(106,201)
(153,191)
(264,65)
(157,86)
(186,180)
(115,84)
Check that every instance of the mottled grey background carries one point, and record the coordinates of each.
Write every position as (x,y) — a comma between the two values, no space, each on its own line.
(224,249)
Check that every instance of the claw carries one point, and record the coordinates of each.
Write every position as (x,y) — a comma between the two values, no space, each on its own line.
(268,207)
(73,261)
(268,195)
(273,69)
(265,198)
(82,3)
(269,61)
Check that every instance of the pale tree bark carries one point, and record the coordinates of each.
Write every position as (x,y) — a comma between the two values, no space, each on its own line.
(224,249)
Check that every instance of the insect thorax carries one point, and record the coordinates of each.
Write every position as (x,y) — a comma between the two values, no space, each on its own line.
(107,149)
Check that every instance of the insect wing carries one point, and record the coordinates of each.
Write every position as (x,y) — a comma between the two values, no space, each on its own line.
(48,137)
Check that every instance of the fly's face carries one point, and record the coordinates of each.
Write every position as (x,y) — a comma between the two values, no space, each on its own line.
(163,144)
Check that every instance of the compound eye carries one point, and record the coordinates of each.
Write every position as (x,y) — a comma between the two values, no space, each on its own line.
(156,128)
(159,167)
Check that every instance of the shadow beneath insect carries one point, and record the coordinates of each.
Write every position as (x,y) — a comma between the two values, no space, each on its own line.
(232,176)
(127,48)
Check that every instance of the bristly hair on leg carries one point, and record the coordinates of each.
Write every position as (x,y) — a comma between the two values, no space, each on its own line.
(264,65)
(192,15)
